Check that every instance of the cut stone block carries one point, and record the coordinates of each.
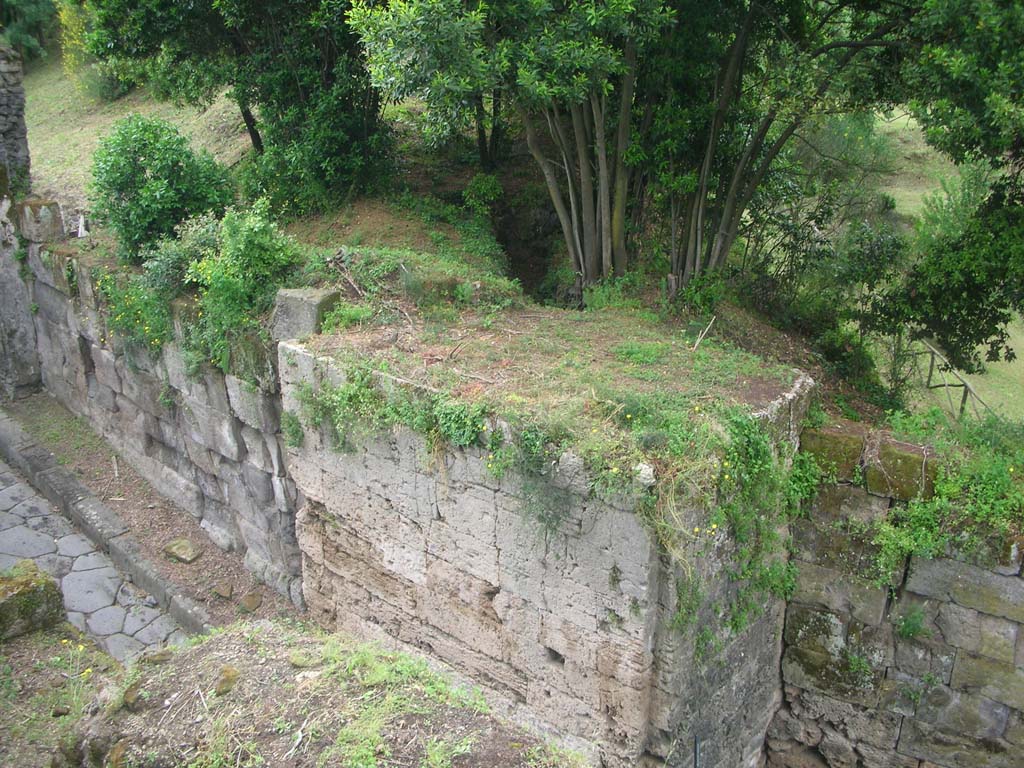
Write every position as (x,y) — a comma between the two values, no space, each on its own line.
(836,446)
(969,586)
(40,221)
(182,550)
(901,470)
(299,312)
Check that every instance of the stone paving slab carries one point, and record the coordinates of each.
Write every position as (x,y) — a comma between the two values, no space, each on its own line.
(97,597)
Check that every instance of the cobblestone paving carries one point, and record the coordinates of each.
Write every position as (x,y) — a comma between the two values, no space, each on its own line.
(98,600)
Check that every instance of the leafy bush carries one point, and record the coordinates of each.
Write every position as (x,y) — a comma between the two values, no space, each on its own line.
(237,282)
(139,314)
(482,192)
(166,263)
(146,180)
(847,354)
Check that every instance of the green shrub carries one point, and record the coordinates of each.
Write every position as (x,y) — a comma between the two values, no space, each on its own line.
(146,180)
(237,282)
(482,192)
(166,263)
(140,315)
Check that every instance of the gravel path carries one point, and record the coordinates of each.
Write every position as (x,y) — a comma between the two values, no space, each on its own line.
(97,597)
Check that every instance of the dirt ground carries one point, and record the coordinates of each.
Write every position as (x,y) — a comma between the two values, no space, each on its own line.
(48,680)
(278,693)
(153,520)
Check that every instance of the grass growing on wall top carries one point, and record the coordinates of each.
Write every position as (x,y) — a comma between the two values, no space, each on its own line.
(978,504)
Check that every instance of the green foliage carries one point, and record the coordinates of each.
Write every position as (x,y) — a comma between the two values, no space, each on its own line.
(292,430)
(26,25)
(703,294)
(688,602)
(967,75)
(345,315)
(237,282)
(146,180)
(459,423)
(910,623)
(136,312)
(481,193)
(978,502)
(756,494)
(295,64)
(641,353)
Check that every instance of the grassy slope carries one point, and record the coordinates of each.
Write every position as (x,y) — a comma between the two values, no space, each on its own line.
(65,125)
(918,171)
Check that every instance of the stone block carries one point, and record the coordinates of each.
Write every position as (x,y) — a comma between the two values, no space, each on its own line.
(299,312)
(217,431)
(978,633)
(52,305)
(962,713)
(818,631)
(837,676)
(29,600)
(998,681)
(969,586)
(839,592)
(900,470)
(253,406)
(105,365)
(40,221)
(837,446)
(926,742)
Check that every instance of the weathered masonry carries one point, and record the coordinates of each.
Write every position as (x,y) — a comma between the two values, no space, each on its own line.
(570,630)
(928,671)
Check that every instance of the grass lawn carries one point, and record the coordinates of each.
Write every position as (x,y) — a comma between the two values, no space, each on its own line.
(65,125)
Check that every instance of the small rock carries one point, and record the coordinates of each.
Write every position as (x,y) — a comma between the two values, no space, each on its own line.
(161,656)
(226,681)
(60,710)
(29,599)
(115,758)
(300,660)
(251,602)
(224,589)
(132,697)
(182,550)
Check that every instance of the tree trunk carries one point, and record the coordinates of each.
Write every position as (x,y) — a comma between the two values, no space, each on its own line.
(591,262)
(250,124)
(604,185)
(621,181)
(553,190)
(483,150)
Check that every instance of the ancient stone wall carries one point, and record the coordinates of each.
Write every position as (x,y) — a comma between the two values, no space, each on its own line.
(569,626)
(208,441)
(925,672)
(14,160)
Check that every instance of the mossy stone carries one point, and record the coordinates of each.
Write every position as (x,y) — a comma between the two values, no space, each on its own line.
(29,600)
(836,449)
(226,680)
(902,471)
